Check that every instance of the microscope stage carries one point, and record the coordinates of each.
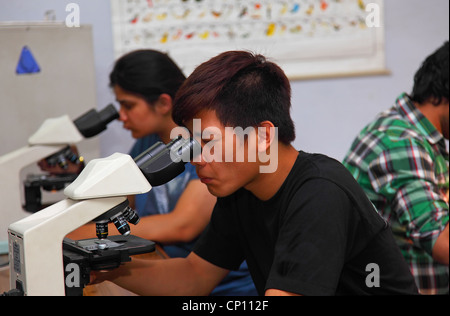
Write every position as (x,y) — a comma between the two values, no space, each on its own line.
(105,253)
(98,254)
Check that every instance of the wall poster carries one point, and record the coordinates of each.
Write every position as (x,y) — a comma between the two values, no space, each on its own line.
(308,38)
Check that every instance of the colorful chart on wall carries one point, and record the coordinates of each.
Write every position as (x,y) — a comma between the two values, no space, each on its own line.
(308,38)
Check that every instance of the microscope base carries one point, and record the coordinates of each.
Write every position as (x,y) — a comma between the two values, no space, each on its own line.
(83,256)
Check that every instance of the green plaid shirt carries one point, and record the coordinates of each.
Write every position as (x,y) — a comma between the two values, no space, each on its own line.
(401,161)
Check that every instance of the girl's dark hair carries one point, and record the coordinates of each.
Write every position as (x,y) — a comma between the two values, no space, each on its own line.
(147,73)
(242,88)
(431,80)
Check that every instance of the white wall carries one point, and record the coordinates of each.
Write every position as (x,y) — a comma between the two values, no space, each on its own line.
(96,13)
(329,112)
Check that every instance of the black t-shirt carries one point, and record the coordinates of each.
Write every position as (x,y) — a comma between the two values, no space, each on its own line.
(319,235)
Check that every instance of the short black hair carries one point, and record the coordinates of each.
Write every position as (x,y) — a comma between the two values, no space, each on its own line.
(431,80)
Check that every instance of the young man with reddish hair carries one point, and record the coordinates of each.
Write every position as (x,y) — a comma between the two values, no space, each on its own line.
(304,228)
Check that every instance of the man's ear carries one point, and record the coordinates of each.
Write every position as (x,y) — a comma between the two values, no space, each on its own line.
(266,135)
(164,104)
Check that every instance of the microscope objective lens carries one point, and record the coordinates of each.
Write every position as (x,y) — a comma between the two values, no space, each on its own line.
(121,225)
(102,230)
(131,216)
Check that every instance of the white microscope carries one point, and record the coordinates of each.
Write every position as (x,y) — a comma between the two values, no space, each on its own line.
(42,262)
(52,137)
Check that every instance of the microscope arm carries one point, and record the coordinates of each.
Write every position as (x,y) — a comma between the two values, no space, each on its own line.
(10,183)
(35,243)
(53,135)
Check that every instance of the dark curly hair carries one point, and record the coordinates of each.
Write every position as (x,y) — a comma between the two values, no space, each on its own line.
(431,80)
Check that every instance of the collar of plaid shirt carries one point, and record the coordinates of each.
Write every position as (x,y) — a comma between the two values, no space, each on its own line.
(407,109)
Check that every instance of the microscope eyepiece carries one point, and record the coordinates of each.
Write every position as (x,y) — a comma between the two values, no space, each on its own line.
(93,123)
(161,163)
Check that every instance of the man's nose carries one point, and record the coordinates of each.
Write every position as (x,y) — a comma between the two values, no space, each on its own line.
(198,160)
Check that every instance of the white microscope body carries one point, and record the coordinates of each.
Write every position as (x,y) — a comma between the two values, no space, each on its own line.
(52,136)
(35,242)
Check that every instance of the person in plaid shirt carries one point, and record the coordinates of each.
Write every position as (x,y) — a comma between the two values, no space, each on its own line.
(401,161)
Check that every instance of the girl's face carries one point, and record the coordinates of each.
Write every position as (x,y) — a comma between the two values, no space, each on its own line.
(136,114)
